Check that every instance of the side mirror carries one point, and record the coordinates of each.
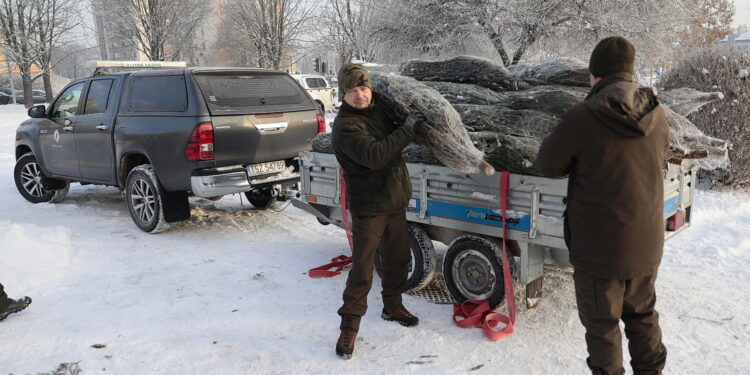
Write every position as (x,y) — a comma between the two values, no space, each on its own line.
(38,111)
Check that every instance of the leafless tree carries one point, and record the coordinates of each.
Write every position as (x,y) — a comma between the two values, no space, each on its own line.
(273,27)
(18,21)
(162,28)
(513,27)
(347,27)
(56,20)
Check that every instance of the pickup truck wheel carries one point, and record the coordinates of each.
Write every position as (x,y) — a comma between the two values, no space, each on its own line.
(28,177)
(472,270)
(423,260)
(260,198)
(143,195)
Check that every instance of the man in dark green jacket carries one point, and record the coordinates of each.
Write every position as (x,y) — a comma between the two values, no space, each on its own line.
(368,144)
(613,147)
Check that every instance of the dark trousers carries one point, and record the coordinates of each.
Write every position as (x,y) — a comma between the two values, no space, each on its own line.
(602,303)
(368,232)
(4,301)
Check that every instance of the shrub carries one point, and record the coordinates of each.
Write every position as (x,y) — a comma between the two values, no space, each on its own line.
(723,68)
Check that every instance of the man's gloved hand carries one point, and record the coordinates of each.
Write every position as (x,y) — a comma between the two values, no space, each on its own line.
(413,124)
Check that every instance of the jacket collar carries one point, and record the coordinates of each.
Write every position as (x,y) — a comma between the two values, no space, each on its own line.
(608,80)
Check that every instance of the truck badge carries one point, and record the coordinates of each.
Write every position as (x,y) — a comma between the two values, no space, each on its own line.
(57,135)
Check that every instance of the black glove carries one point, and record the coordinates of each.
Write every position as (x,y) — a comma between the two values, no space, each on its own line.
(413,124)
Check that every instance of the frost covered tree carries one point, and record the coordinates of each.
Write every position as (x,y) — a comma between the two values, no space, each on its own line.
(55,22)
(346,26)
(18,23)
(513,27)
(162,28)
(709,21)
(272,26)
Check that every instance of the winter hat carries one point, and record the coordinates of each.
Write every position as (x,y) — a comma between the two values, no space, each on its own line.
(612,55)
(351,76)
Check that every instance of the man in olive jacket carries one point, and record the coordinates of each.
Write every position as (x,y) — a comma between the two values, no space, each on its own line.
(613,147)
(368,144)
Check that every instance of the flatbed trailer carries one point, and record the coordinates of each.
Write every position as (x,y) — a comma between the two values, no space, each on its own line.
(463,211)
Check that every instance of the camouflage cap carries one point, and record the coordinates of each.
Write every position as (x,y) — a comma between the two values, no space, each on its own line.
(351,76)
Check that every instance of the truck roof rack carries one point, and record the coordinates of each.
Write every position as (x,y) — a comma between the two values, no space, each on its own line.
(107,66)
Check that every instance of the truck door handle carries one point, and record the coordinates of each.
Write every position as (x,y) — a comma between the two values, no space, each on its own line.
(102,127)
(68,128)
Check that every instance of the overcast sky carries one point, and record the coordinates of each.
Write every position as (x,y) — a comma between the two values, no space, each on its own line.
(742,15)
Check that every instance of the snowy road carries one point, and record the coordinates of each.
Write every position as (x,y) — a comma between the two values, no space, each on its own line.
(226,293)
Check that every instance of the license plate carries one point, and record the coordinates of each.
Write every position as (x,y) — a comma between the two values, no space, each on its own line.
(266,168)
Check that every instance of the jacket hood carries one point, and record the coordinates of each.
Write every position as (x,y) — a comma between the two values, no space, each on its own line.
(627,109)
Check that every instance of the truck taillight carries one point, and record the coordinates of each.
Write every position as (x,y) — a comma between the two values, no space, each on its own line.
(201,144)
(321,124)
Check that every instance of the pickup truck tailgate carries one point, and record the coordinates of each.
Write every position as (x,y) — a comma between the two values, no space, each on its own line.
(257,116)
(247,139)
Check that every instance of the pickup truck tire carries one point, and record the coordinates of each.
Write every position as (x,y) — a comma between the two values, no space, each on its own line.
(29,182)
(472,270)
(260,198)
(423,260)
(143,195)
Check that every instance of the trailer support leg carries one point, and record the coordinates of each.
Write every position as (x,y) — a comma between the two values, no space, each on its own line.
(534,293)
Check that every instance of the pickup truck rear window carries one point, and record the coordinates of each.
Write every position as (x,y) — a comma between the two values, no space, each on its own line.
(252,93)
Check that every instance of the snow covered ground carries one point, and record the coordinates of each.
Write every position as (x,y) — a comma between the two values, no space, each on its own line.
(226,293)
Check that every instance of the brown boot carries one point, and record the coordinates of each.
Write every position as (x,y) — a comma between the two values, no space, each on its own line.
(345,345)
(400,314)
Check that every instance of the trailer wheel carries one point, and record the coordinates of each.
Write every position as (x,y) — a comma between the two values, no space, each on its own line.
(472,270)
(423,260)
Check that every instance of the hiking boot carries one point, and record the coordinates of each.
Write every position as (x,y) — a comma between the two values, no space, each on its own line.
(345,345)
(15,306)
(402,315)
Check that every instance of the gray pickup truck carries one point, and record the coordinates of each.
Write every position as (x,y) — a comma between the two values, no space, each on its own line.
(162,135)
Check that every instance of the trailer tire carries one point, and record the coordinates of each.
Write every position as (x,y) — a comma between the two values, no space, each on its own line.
(423,259)
(473,270)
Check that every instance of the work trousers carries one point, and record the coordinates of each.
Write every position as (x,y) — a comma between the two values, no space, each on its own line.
(368,232)
(602,303)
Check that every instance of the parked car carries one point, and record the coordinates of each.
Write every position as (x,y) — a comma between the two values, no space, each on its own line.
(6,96)
(162,135)
(319,89)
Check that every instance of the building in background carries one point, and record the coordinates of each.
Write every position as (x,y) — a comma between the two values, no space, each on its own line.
(116,40)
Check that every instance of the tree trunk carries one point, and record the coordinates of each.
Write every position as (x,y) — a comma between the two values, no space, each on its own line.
(28,97)
(47,86)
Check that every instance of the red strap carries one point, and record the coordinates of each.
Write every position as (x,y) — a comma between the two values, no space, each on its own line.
(331,269)
(338,263)
(478,313)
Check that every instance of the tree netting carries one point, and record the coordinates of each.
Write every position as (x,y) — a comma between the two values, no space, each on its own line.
(468,122)
(560,71)
(443,132)
(463,69)
(685,101)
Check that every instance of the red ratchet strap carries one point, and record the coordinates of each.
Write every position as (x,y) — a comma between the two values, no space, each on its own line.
(478,313)
(338,263)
